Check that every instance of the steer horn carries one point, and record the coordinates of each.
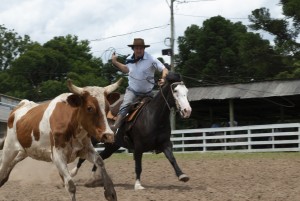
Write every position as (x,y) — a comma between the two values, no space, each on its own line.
(112,87)
(74,89)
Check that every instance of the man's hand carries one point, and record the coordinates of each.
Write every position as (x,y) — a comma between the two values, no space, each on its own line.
(120,66)
(114,57)
(161,82)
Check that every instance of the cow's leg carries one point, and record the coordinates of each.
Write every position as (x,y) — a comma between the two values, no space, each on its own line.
(60,160)
(74,171)
(138,169)
(170,156)
(96,179)
(109,191)
(10,158)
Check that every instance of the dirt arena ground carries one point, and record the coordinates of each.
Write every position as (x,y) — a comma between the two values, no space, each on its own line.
(214,177)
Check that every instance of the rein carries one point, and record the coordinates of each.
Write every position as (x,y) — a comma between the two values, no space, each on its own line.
(176,102)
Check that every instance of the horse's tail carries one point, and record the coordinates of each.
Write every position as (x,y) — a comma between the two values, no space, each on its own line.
(2,140)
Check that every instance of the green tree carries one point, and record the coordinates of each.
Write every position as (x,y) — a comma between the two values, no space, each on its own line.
(285,36)
(291,8)
(224,52)
(285,33)
(40,72)
(11,46)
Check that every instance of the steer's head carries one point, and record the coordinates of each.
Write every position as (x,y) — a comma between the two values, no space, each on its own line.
(93,107)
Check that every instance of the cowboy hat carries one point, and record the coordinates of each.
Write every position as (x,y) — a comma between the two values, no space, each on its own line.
(138,42)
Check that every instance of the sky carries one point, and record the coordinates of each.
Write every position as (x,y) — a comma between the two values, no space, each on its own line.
(110,25)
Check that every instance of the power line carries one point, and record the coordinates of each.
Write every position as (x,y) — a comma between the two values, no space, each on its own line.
(242,18)
(147,29)
(126,47)
(192,1)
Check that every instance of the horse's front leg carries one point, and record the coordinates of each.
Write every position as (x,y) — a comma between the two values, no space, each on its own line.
(109,191)
(138,155)
(170,156)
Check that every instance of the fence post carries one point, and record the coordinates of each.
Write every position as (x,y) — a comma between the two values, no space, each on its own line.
(272,138)
(299,138)
(225,139)
(249,139)
(204,141)
(182,143)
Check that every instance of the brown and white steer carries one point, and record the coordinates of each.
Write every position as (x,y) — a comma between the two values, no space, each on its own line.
(60,131)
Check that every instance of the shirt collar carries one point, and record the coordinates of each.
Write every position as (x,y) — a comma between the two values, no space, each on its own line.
(131,59)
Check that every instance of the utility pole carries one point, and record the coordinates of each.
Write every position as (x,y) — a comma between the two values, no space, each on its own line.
(172,35)
(173,113)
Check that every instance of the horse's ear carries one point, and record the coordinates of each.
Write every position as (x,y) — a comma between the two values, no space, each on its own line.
(173,77)
(180,77)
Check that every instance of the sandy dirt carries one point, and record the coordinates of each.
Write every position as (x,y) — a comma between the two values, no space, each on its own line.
(214,177)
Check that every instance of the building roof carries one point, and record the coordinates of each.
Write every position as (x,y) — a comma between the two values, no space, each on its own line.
(4,113)
(7,103)
(246,91)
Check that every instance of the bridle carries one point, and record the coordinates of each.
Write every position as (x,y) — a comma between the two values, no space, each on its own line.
(176,101)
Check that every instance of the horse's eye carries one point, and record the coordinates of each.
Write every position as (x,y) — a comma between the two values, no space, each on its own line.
(90,109)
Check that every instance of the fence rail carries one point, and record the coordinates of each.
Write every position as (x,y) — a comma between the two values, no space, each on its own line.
(257,138)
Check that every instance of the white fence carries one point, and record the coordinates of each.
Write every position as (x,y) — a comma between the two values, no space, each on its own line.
(259,138)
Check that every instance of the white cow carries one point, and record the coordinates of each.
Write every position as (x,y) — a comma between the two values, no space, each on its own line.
(59,131)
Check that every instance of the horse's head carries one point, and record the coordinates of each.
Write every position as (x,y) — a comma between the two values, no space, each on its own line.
(179,92)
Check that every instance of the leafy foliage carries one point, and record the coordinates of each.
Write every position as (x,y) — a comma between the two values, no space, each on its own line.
(11,46)
(40,73)
(285,33)
(224,52)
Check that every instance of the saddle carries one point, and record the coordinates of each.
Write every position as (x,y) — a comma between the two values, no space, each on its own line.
(134,110)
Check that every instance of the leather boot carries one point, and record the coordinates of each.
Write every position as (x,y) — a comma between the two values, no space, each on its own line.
(119,121)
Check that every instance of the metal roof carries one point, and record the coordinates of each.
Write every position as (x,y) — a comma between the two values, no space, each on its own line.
(7,103)
(4,113)
(246,91)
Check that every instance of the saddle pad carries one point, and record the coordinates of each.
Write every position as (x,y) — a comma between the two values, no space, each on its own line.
(138,107)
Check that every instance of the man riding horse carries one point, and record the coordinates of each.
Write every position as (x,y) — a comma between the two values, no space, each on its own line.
(150,130)
(140,67)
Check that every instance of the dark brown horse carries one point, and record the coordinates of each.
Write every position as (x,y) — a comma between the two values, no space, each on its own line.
(151,130)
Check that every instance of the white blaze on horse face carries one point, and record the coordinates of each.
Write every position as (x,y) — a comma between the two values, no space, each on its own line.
(180,95)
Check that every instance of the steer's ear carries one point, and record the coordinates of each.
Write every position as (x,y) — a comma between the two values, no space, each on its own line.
(74,100)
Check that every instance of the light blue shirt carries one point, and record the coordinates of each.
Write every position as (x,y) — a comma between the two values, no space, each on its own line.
(141,73)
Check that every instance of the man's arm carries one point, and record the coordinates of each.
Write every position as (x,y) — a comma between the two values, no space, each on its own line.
(164,73)
(121,66)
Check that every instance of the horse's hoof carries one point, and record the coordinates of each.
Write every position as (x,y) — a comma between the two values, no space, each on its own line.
(110,195)
(138,185)
(183,178)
